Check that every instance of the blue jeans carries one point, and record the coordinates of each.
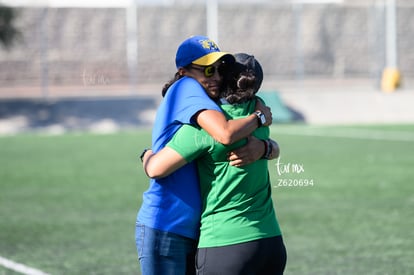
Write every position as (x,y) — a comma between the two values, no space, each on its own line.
(165,253)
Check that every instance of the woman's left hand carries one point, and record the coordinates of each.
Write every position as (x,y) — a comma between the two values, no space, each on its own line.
(249,153)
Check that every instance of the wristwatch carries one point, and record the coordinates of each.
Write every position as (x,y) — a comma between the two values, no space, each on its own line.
(261,118)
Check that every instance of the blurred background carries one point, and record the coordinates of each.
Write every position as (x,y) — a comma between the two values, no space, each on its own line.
(328,61)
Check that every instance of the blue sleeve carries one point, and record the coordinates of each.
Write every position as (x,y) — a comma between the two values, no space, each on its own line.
(182,101)
(188,98)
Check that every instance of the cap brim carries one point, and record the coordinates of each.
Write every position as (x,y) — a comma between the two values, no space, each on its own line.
(211,58)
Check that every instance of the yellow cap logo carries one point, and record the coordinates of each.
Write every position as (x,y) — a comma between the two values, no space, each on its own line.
(209,44)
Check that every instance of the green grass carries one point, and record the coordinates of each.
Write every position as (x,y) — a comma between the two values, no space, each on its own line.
(68,203)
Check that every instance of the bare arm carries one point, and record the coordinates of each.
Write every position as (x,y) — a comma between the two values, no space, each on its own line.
(229,131)
(162,163)
(252,151)
(168,160)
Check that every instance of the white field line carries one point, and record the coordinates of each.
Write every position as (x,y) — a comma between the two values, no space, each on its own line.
(349,133)
(20,267)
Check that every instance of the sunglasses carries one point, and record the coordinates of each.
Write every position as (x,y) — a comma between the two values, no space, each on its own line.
(209,71)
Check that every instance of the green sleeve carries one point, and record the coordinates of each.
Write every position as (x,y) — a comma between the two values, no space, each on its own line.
(190,142)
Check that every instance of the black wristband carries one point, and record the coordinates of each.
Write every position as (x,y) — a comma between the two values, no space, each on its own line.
(143,153)
(268,149)
(266,145)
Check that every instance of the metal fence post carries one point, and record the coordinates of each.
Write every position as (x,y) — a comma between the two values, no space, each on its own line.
(211,12)
(132,44)
(44,45)
(299,65)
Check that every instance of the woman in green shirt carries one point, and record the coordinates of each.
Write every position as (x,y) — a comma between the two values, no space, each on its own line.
(239,231)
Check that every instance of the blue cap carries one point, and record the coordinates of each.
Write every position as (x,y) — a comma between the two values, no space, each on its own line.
(199,50)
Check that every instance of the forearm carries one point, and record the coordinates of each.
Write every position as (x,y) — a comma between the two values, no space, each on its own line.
(163,163)
(226,131)
(255,149)
(237,129)
(229,131)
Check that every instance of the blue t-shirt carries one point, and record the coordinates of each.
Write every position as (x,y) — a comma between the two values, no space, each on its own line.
(173,203)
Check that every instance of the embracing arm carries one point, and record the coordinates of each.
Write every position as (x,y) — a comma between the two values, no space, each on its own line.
(162,163)
(229,131)
(255,149)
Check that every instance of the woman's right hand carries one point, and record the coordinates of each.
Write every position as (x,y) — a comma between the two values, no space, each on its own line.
(266,111)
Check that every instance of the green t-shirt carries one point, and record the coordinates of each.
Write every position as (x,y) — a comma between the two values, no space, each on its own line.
(237,203)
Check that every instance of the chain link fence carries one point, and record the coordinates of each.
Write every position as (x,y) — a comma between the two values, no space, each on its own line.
(89,48)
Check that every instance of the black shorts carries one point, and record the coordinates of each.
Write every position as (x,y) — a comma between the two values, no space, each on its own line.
(263,256)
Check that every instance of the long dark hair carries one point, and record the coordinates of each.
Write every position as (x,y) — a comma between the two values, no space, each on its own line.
(243,80)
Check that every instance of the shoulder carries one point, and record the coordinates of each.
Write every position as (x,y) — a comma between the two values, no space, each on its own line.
(259,98)
(188,82)
(189,133)
(239,110)
(186,87)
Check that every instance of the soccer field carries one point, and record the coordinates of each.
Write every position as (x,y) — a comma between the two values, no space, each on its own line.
(344,196)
